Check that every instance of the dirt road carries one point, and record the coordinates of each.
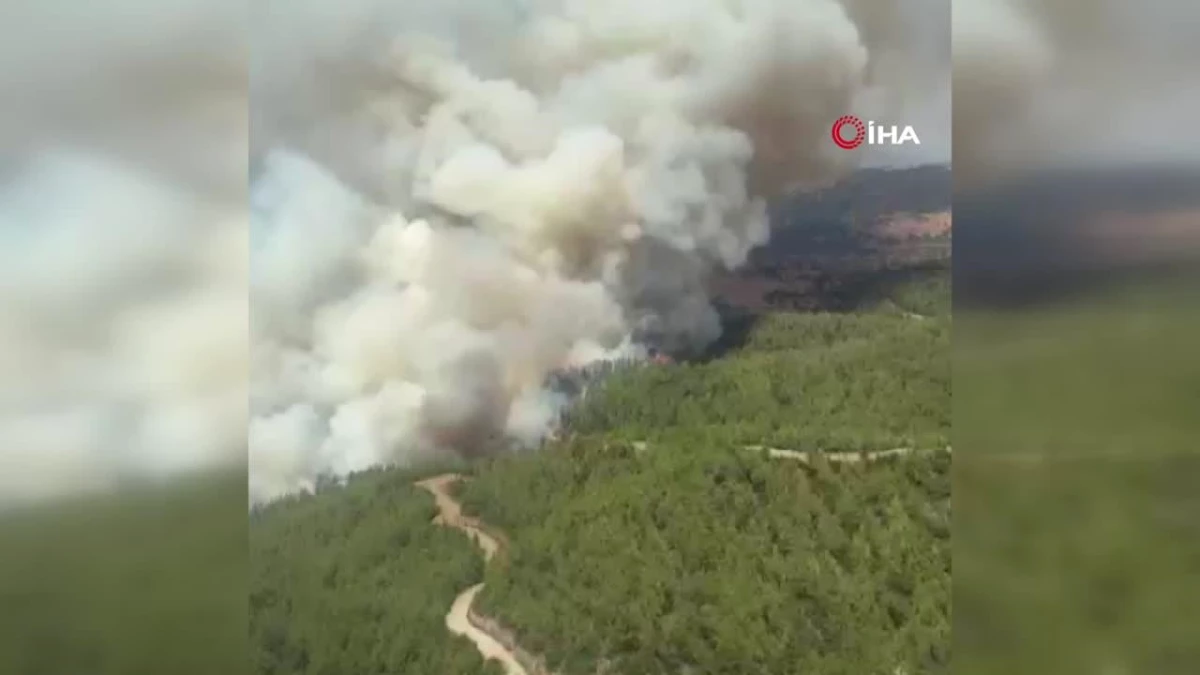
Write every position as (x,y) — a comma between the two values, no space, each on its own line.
(803,455)
(450,514)
(846,457)
(458,618)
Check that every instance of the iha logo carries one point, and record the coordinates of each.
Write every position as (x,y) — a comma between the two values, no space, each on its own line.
(849,132)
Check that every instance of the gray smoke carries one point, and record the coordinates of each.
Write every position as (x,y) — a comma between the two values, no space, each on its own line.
(454,200)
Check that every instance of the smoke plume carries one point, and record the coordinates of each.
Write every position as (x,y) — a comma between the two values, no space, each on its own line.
(454,200)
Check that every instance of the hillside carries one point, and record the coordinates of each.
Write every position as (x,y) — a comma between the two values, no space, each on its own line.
(657,534)
(703,559)
(836,248)
(681,552)
(1074,482)
(845,218)
(356,579)
(141,581)
(836,382)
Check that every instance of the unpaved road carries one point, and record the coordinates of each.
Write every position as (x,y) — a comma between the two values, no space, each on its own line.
(803,455)
(846,457)
(459,624)
(457,621)
(450,514)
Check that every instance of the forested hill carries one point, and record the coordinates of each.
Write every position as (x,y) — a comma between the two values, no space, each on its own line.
(654,537)
(356,579)
(698,559)
(835,382)
(651,539)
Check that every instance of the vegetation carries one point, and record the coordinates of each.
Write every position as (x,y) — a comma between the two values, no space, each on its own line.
(682,552)
(928,295)
(690,553)
(651,539)
(704,560)
(1076,540)
(924,293)
(357,579)
(146,581)
(833,382)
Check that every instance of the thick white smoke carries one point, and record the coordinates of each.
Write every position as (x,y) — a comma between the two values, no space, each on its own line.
(453,200)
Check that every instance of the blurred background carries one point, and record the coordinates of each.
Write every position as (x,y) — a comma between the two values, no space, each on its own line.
(122,337)
(1076,387)
(123,328)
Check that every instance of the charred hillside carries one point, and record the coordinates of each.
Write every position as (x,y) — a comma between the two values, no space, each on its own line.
(836,248)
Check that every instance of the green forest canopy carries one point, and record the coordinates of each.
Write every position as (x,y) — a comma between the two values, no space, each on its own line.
(690,554)
(701,559)
(830,382)
(358,580)
(147,580)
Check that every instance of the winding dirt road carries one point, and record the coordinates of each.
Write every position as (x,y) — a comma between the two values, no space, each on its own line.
(458,619)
